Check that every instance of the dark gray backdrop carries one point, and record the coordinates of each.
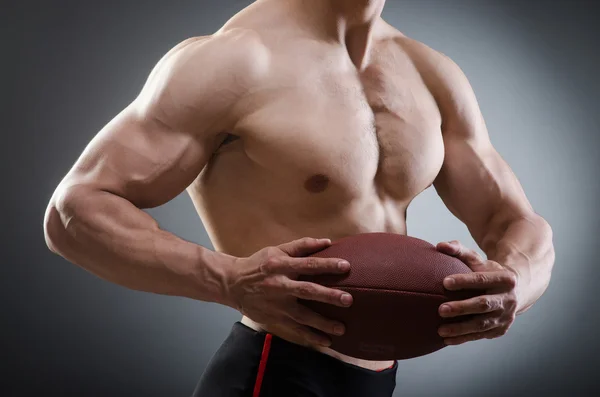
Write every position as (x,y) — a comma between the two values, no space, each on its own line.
(69,66)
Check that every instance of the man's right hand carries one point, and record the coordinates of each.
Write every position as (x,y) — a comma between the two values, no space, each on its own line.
(265,288)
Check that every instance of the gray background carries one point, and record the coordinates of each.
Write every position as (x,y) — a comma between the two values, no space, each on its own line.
(69,66)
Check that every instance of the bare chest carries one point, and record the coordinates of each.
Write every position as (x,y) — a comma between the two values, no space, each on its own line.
(333,129)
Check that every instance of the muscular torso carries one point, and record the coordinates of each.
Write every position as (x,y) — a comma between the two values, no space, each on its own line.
(322,149)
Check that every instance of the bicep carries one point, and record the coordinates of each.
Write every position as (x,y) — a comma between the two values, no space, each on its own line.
(478,186)
(155,148)
(475,182)
(140,159)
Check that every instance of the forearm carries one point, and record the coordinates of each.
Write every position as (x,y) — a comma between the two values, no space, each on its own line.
(524,245)
(113,239)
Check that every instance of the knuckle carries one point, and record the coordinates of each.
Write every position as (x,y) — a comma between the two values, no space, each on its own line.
(495,279)
(269,265)
(495,265)
(305,290)
(483,303)
(273,282)
(306,240)
(511,280)
(482,325)
(495,304)
(480,278)
(311,263)
(472,254)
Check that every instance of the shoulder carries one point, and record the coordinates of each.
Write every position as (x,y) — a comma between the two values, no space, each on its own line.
(445,80)
(435,67)
(433,64)
(237,53)
(206,72)
(443,77)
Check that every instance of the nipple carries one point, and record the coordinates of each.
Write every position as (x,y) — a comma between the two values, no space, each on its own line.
(317,183)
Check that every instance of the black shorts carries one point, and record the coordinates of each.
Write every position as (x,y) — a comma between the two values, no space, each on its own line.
(258,364)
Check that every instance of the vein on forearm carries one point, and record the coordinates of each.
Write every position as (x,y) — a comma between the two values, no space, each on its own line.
(522,244)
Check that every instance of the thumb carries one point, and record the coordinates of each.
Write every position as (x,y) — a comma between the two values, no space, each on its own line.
(304,246)
(468,256)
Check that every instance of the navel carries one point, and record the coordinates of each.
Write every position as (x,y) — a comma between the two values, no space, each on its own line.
(317,183)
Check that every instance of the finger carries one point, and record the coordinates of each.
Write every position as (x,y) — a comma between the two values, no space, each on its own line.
(303,315)
(459,340)
(304,246)
(311,336)
(481,280)
(315,292)
(454,248)
(313,265)
(477,324)
(476,305)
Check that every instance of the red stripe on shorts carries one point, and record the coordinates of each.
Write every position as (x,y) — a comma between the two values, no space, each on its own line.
(263,364)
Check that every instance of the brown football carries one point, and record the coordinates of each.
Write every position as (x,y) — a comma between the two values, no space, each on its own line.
(397,285)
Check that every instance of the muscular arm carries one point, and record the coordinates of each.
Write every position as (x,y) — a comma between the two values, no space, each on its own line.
(147,155)
(480,189)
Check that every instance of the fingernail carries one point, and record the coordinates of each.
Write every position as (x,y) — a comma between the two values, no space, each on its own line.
(346,299)
(449,282)
(325,343)
(445,309)
(444,332)
(338,329)
(325,240)
(343,265)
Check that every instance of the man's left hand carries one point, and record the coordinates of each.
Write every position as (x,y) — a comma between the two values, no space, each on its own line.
(493,312)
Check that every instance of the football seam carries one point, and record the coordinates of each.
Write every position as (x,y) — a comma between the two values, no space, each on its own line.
(391,290)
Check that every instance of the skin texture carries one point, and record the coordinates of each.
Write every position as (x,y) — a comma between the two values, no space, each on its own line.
(299,120)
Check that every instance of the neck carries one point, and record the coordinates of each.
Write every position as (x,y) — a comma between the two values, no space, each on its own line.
(355,12)
(335,17)
(349,22)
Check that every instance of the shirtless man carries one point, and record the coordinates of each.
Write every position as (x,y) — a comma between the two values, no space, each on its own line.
(298,120)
